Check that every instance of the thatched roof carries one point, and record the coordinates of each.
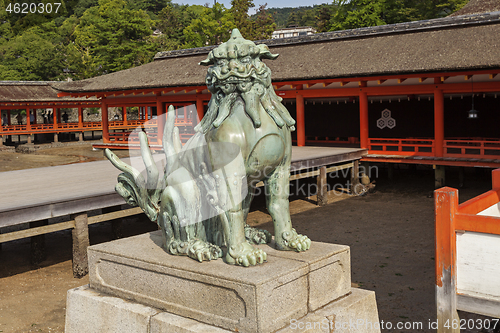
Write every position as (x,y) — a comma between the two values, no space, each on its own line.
(478,7)
(439,45)
(32,91)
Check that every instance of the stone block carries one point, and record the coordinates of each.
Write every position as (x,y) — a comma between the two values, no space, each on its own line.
(93,312)
(354,313)
(329,275)
(256,299)
(167,322)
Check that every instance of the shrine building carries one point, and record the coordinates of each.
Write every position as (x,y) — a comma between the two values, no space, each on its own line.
(423,92)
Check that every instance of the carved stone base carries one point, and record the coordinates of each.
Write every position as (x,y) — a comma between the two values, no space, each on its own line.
(94,312)
(136,276)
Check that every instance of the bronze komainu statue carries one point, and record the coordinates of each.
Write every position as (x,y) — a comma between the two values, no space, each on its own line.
(202,201)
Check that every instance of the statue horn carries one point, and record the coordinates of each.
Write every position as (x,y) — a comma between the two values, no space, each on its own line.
(265,53)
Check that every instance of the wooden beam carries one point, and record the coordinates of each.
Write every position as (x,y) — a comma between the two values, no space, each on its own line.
(166,91)
(343,83)
(422,79)
(401,80)
(362,84)
(80,235)
(381,81)
(468,77)
(189,89)
(444,78)
(322,196)
(492,76)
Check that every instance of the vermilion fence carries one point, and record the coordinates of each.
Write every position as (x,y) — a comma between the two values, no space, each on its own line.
(467,256)
(488,148)
(417,147)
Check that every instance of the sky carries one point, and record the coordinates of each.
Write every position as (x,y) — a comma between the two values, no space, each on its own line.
(270,3)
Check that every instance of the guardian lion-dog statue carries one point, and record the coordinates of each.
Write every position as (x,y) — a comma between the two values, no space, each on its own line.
(202,201)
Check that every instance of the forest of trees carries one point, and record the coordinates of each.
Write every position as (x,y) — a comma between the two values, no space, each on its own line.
(86,38)
(351,14)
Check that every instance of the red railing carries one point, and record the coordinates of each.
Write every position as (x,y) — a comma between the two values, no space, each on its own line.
(332,139)
(92,125)
(412,147)
(467,148)
(452,221)
(130,137)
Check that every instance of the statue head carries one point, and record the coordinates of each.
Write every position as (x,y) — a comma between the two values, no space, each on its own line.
(236,70)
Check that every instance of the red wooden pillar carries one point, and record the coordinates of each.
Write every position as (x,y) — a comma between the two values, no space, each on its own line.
(438,122)
(301,124)
(363,119)
(160,112)
(446,206)
(80,123)
(105,122)
(124,115)
(28,124)
(28,120)
(80,116)
(199,109)
(55,112)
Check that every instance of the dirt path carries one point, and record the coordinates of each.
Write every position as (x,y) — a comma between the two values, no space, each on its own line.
(390,232)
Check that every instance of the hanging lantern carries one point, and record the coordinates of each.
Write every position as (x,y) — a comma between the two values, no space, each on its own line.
(472,114)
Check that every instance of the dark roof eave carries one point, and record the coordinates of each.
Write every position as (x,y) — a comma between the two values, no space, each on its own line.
(395,73)
(93,92)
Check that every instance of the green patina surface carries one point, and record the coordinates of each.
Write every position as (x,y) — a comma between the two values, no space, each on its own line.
(202,199)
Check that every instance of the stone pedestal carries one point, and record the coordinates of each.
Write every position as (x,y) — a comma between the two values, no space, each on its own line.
(135,286)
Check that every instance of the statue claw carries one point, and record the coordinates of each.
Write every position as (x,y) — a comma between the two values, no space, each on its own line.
(257,236)
(196,249)
(245,255)
(294,241)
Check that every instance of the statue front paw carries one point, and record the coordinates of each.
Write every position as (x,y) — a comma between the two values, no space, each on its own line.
(293,241)
(257,236)
(245,254)
(196,249)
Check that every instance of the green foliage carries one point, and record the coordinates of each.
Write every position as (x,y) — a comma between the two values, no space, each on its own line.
(172,20)
(366,13)
(356,14)
(82,5)
(30,56)
(430,9)
(92,37)
(263,25)
(301,16)
(260,26)
(323,16)
(21,22)
(212,27)
(239,10)
(112,37)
